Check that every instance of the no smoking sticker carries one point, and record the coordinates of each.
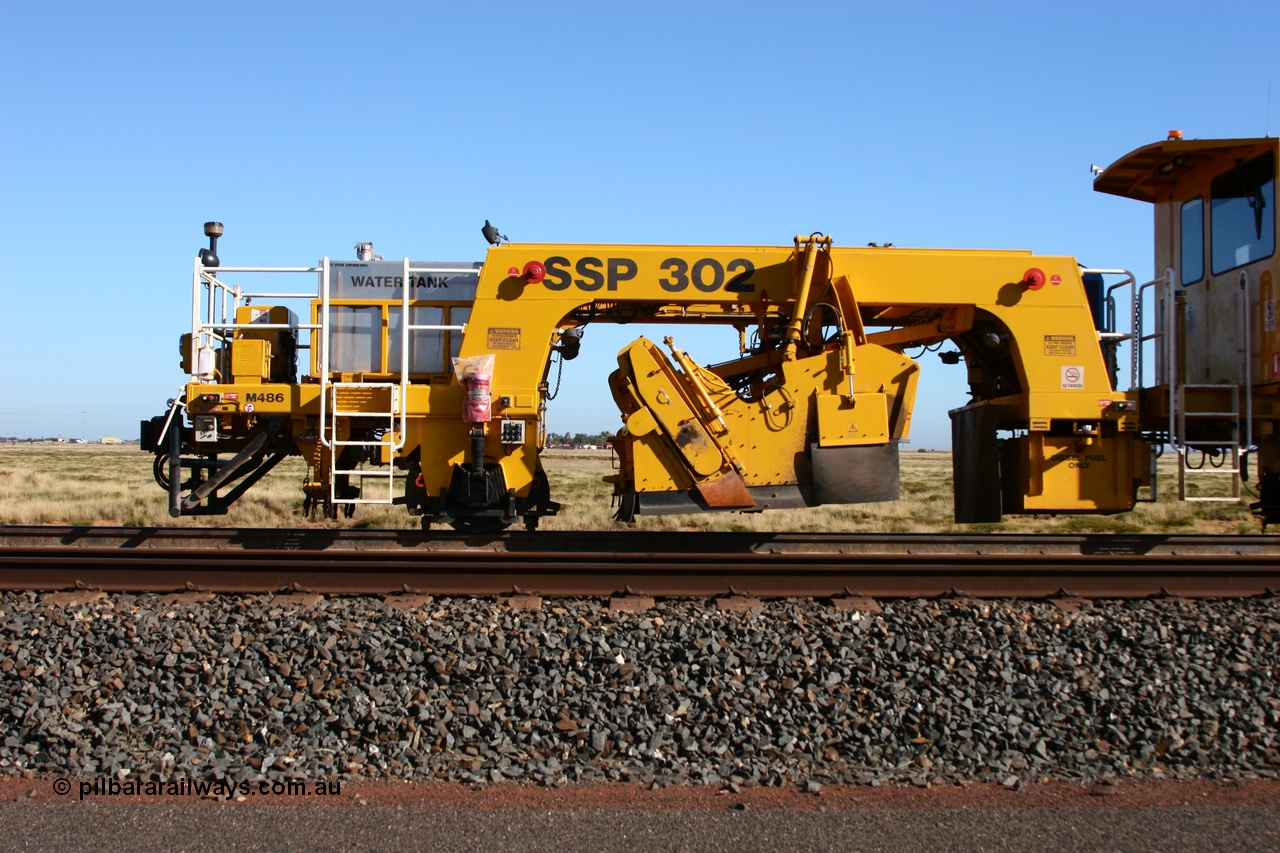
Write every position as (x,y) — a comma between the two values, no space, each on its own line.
(1072,378)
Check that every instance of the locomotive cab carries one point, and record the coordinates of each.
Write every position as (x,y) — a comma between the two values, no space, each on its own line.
(1210,364)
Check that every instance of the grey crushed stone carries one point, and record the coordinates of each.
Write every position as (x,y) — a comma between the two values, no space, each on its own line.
(246,688)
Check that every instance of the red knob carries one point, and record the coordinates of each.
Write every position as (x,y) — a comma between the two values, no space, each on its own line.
(1033,279)
(534,272)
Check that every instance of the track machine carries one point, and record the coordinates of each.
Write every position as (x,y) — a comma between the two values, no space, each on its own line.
(427,384)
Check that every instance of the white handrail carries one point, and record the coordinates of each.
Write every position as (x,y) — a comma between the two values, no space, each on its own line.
(324,347)
(406,285)
(195,317)
(308,326)
(174,405)
(474,270)
(265,269)
(1170,347)
(1246,321)
(207,327)
(1135,321)
(222,297)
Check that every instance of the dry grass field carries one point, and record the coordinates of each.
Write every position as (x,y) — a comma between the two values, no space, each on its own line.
(106,485)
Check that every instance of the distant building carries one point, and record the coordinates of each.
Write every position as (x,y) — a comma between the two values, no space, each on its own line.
(111,439)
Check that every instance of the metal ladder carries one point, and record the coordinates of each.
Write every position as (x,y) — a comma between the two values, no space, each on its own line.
(1229,444)
(353,395)
(1239,423)
(1167,347)
(335,395)
(332,393)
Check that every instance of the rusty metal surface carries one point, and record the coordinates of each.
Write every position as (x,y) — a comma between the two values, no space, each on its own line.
(601,564)
(632,541)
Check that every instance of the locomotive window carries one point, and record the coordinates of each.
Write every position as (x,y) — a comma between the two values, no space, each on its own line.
(426,347)
(1243,214)
(1192,240)
(356,339)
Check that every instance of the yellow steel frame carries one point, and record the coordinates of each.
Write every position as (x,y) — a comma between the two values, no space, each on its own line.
(852,391)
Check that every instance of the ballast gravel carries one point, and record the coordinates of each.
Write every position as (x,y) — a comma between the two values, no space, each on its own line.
(246,688)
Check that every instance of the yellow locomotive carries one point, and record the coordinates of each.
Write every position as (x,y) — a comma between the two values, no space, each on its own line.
(426,384)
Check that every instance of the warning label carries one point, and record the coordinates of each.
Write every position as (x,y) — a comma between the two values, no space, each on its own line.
(504,338)
(1072,378)
(1060,345)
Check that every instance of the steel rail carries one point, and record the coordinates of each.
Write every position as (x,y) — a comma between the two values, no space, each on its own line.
(331,561)
(632,541)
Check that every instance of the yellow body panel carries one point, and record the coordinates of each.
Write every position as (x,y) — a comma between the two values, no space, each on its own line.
(1072,474)
(251,362)
(860,419)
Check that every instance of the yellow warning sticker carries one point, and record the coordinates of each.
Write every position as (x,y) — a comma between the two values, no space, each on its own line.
(501,338)
(1060,345)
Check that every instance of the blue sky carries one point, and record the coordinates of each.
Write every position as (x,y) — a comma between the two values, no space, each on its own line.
(306,127)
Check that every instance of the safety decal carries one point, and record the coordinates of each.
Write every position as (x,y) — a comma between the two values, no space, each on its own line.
(1269,315)
(504,338)
(1072,378)
(1060,345)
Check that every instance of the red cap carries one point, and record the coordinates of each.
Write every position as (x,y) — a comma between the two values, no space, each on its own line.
(534,272)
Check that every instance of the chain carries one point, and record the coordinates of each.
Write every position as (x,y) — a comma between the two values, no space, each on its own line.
(559,373)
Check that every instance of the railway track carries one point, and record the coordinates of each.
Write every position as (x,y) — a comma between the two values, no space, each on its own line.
(381,562)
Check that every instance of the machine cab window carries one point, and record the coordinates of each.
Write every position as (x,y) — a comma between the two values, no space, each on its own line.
(1243,214)
(1191,237)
